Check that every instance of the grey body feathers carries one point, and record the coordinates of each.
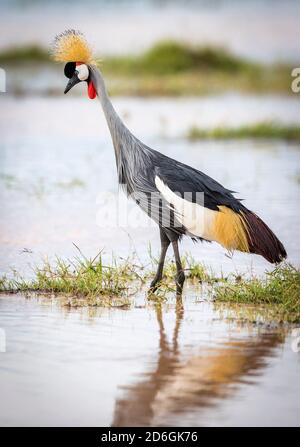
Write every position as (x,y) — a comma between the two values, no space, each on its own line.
(137,166)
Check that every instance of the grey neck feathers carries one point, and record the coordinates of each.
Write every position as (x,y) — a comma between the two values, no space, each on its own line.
(122,138)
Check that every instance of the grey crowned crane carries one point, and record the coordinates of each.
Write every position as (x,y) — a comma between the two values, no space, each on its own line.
(180,199)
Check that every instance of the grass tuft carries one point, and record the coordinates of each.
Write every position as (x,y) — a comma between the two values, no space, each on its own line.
(279,293)
(270,130)
(167,57)
(88,280)
(31,53)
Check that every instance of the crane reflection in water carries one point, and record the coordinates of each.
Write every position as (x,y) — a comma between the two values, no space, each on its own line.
(180,384)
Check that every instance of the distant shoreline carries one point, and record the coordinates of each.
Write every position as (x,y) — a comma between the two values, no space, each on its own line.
(169,68)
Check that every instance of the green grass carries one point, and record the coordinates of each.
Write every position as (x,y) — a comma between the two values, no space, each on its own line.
(169,57)
(197,83)
(194,272)
(31,53)
(71,184)
(171,68)
(278,293)
(269,130)
(90,282)
(164,57)
(82,281)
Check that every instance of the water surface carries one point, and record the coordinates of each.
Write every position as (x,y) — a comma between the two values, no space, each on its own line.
(176,365)
(58,175)
(170,365)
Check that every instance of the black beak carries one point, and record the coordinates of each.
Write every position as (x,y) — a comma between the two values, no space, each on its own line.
(73,81)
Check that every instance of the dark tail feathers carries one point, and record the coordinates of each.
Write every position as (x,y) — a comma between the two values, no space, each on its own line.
(262,240)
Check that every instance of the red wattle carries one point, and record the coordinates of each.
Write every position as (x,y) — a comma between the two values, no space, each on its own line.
(91,90)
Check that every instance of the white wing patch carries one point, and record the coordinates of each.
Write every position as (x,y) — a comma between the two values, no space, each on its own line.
(197,219)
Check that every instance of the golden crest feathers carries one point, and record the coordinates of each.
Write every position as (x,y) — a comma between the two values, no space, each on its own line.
(71,46)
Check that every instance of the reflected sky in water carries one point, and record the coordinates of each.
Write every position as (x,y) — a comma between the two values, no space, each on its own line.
(175,365)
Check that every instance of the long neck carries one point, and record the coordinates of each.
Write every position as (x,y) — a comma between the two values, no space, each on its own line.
(119,132)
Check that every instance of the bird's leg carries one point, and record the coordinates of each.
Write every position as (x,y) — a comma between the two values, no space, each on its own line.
(180,277)
(165,242)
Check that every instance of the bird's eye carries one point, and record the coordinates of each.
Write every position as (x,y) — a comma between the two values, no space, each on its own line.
(83,72)
(70,69)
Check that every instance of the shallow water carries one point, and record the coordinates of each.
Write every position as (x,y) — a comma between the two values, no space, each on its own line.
(58,174)
(174,366)
(144,365)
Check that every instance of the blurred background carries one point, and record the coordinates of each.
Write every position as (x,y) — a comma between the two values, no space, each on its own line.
(206,82)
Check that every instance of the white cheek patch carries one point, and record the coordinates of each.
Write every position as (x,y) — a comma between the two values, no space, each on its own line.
(83,72)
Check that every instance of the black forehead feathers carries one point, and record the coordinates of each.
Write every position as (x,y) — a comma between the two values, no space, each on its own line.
(69,69)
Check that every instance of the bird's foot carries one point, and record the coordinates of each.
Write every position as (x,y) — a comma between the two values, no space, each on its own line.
(154,286)
(180,278)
